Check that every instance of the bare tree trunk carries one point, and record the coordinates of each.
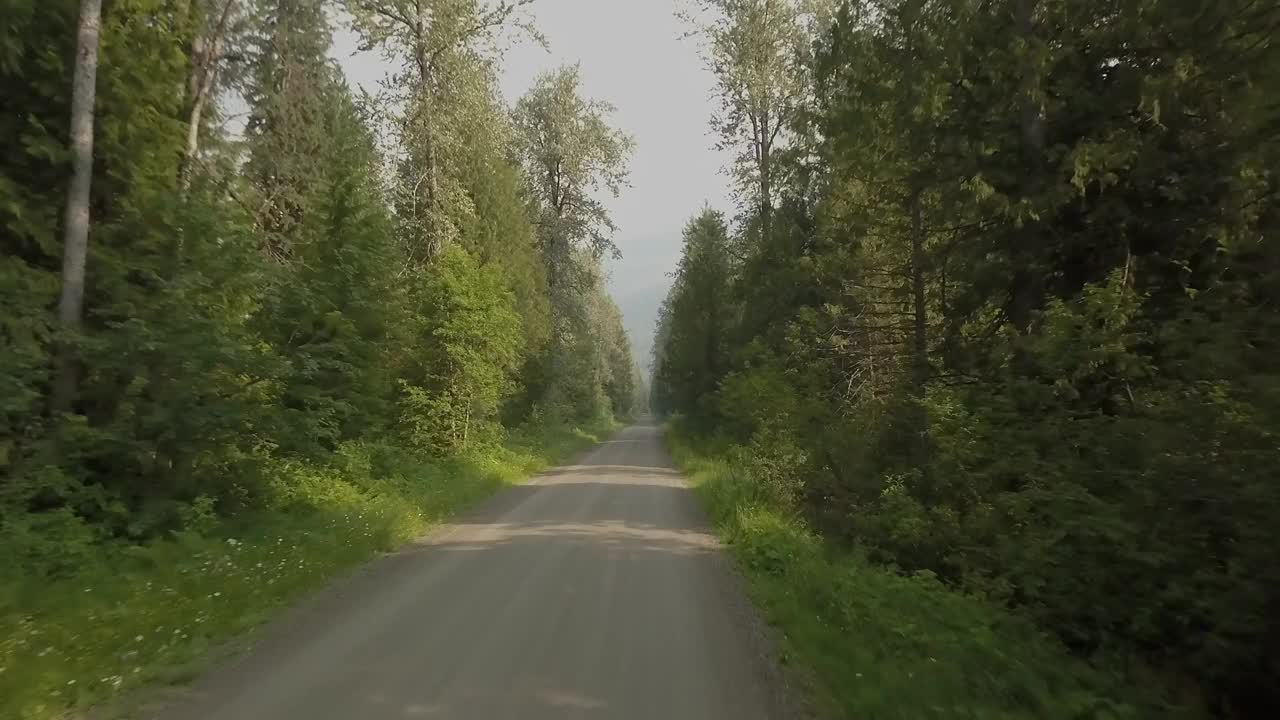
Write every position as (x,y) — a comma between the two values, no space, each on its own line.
(205,54)
(426,115)
(75,242)
(434,240)
(766,179)
(192,145)
(466,424)
(429,159)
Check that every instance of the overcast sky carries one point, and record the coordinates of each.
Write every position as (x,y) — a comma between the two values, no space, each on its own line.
(632,55)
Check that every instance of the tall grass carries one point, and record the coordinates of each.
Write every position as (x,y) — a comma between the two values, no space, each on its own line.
(134,614)
(868,642)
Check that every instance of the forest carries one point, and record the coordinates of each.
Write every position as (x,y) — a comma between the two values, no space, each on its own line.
(998,314)
(978,380)
(243,299)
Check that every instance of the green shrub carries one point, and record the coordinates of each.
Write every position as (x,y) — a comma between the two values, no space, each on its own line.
(84,617)
(873,643)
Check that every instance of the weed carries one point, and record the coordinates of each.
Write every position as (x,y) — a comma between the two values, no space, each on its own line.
(868,642)
(131,614)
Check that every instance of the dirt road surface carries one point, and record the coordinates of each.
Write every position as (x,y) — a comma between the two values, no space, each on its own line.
(595,591)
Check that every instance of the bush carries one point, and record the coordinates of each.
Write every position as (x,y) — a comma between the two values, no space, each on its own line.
(871,642)
(85,617)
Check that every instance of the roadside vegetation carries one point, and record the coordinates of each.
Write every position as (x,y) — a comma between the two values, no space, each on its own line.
(864,640)
(125,614)
(259,326)
(1000,310)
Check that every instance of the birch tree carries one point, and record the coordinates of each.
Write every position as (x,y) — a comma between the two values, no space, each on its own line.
(212,22)
(755,49)
(75,225)
(439,46)
(572,156)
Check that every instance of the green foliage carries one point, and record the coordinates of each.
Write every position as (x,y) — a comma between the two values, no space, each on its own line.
(280,355)
(1013,321)
(117,615)
(571,155)
(868,642)
(694,321)
(474,346)
(501,234)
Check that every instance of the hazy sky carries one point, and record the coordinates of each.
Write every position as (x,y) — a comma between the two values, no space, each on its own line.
(632,55)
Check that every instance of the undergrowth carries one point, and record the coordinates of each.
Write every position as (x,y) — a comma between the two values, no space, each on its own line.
(867,642)
(131,614)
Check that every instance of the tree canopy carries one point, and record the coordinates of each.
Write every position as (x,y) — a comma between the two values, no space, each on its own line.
(346,269)
(1013,321)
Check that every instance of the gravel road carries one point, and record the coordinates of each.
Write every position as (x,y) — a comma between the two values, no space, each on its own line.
(595,591)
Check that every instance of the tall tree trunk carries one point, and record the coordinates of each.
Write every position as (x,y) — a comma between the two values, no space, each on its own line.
(206,51)
(915,186)
(919,346)
(434,244)
(75,241)
(192,145)
(766,179)
(426,116)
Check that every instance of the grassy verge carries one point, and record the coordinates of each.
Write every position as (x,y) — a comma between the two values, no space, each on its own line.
(134,614)
(869,643)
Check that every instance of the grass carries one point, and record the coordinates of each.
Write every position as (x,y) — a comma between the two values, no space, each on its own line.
(135,615)
(867,642)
